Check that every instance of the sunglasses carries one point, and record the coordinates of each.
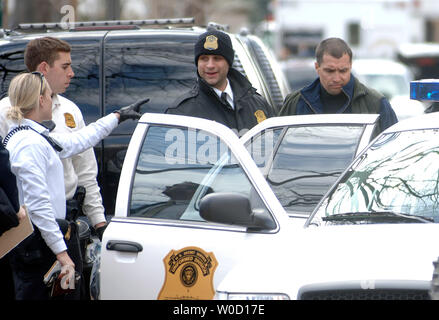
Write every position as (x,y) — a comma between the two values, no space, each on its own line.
(37,73)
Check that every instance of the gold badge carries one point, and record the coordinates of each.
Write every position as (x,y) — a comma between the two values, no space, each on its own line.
(211,43)
(189,275)
(70,121)
(260,116)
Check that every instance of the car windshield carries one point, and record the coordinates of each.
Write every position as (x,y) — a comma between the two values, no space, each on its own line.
(396,180)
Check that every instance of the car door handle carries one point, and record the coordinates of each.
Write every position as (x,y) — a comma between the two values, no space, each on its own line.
(124,246)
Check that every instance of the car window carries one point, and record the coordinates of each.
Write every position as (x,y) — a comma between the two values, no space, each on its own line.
(157,67)
(301,162)
(398,173)
(262,145)
(84,87)
(177,167)
(11,63)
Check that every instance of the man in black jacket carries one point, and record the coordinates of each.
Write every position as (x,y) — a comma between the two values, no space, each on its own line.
(221,93)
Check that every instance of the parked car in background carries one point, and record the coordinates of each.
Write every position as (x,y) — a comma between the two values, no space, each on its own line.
(392,79)
(299,72)
(119,62)
(162,244)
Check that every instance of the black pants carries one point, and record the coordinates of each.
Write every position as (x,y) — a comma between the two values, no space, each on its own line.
(30,261)
(6,282)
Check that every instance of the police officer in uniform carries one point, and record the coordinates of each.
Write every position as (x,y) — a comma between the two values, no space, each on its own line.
(221,93)
(35,160)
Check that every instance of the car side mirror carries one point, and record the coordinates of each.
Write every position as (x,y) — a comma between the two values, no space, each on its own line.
(234,209)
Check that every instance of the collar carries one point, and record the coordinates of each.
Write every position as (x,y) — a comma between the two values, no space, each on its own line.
(229,92)
(33,124)
(55,102)
(311,93)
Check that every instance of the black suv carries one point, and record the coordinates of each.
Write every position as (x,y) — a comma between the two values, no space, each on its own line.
(117,63)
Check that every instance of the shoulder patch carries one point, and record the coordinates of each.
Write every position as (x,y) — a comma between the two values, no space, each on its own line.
(70,120)
(260,116)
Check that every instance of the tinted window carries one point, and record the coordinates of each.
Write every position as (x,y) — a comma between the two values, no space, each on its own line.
(177,167)
(84,88)
(159,67)
(11,63)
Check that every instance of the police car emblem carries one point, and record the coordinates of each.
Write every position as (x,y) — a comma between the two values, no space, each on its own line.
(211,43)
(189,274)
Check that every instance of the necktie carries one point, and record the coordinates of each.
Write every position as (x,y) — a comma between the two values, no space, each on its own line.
(224,100)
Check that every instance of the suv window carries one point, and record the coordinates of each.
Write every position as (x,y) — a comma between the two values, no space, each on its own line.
(160,67)
(84,88)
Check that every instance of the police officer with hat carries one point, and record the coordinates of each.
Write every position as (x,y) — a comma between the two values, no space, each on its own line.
(221,93)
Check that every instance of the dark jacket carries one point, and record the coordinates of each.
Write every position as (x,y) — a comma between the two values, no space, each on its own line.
(9,204)
(201,101)
(360,100)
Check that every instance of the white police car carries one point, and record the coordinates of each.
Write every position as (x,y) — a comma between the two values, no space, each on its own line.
(193,204)
(374,234)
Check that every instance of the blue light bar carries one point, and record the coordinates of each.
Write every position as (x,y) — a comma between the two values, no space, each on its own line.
(427,89)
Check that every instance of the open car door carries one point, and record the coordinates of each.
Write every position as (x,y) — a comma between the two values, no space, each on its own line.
(190,200)
(302,156)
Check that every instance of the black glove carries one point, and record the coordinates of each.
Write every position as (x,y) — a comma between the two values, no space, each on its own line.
(100,232)
(131,111)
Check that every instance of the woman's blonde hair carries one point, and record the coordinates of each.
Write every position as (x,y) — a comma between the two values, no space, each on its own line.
(24,93)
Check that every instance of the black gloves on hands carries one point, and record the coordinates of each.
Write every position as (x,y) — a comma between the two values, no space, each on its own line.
(100,232)
(131,111)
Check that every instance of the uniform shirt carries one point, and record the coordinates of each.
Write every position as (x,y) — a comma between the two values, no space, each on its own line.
(39,171)
(80,169)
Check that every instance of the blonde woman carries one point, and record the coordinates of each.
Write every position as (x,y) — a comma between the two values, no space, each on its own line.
(35,160)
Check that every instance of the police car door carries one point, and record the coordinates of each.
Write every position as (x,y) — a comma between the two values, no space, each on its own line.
(158,246)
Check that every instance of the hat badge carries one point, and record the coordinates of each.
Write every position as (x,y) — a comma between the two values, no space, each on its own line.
(211,43)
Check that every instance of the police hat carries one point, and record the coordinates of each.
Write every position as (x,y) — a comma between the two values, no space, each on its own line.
(214,42)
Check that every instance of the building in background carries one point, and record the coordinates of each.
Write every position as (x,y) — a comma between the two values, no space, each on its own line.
(372,28)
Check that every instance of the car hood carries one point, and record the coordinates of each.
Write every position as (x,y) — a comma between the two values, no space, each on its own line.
(365,255)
